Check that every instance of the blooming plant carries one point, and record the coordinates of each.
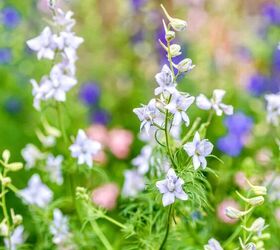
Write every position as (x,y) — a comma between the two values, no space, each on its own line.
(77,191)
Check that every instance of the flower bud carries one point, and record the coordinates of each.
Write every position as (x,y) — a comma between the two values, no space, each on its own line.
(6,181)
(176,24)
(234,213)
(250,246)
(51,130)
(4,229)
(81,193)
(258,190)
(185,65)
(175,50)
(6,155)
(255,201)
(14,166)
(169,35)
(16,218)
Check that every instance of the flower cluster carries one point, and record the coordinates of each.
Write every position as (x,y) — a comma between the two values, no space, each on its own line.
(51,45)
(273,108)
(163,117)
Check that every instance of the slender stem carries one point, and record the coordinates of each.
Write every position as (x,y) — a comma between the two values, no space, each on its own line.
(114,221)
(167,229)
(232,237)
(191,131)
(60,123)
(100,235)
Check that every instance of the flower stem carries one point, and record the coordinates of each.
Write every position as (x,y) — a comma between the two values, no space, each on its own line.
(60,122)
(167,229)
(100,235)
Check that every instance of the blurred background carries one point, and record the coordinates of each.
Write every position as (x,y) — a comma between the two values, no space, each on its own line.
(232,43)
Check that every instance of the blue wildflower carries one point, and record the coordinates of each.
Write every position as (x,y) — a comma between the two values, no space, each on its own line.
(10,17)
(5,55)
(230,144)
(13,105)
(272,13)
(90,93)
(137,4)
(257,85)
(100,117)
(239,124)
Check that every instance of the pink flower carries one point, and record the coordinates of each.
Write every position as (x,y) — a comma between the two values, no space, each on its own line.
(98,133)
(100,158)
(221,210)
(106,196)
(119,142)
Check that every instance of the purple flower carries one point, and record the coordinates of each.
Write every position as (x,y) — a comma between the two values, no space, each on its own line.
(10,17)
(137,4)
(276,60)
(239,124)
(230,144)
(272,13)
(90,93)
(13,105)
(5,55)
(257,85)
(100,117)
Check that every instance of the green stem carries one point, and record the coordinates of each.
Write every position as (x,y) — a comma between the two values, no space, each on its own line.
(191,131)
(60,122)
(167,229)
(114,221)
(100,235)
(232,237)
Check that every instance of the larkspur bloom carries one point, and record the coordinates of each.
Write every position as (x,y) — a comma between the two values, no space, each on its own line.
(59,228)
(214,103)
(44,44)
(84,149)
(16,238)
(273,108)
(53,166)
(149,115)
(5,55)
(133,184)
(165,81)
(64,19)
(31,154)
(171,188)
(178,106)
(90,93)
(198,150)
(213,244)
(10,17)
(36,193)
(142,161)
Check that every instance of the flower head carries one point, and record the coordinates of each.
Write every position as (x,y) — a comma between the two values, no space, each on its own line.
(10,17)
(215,103)
(273,108)
(213,244)
(178,106)
(142,161)
(64,19)
(133,184)
(59,228)
(16,238)
(198,150)
(84,149)
(171,188)
(31,154)
(36,193)
(53,166)
(165,81)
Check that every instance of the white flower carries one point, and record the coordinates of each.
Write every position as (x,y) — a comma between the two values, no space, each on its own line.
(36,193)
(133,183)
(178,106)
(171,188)
(148,115)
(198,150)
(44,44)
(15,239)
(64,19)
(213,245)
(185,65)
(142,161)
(273,108)
(53,166)
(31,154)
(84,148)
(59,228)
(215,103)
(165,81)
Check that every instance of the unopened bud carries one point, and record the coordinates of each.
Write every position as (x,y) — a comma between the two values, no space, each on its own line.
(4,229)
(176,24)
(257,226)
(185,65)
(14,166)
(6,181)
(6,155)
(81,193)
(258,190)
(169,34)
(175,50)
(234,213)
(255,201)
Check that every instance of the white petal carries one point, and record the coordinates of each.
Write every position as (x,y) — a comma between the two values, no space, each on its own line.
(168,198)
(228,109)
(203,161)
(218,95)
(161,185)
(202,102)
(181,195)
(196,162)
(189,148)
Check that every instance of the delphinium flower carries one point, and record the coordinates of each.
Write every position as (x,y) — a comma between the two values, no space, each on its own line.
(52,45)
(214,103)
(59,228)
(53,167)
(16,238)
(90,93)
(273,108)
(165,81)
(100,116)
(171,188)
(10,17)
(198,149)
(213,244)
(133,183)
(142,161)
(84,149)
(36,193)
(31,154)
(239,127)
